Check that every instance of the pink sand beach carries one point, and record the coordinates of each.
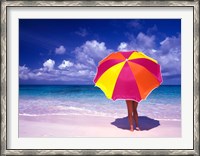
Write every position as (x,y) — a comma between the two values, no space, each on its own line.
(94,126)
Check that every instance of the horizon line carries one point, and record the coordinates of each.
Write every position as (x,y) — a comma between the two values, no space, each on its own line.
(92,84)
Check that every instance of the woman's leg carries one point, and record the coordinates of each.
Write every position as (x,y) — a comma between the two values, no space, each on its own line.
(130,113)
(135,113)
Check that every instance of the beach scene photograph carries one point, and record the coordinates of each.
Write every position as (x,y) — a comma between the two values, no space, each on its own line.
(114,78)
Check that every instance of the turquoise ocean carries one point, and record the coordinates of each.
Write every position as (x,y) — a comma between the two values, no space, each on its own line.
(163,103)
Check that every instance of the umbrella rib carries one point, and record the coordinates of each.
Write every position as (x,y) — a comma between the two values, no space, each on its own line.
(135,81)
(146,69)
(104,61)
(113,56)
(103,82)
(155,81)
(140,55)
(104,67)
(132,61)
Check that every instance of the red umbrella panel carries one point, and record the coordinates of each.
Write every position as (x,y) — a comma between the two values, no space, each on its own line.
(128,75)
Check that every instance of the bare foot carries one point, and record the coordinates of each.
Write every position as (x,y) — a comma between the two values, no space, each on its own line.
(138,129)
(131,128)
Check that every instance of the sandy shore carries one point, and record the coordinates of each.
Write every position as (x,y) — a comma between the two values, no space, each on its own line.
(94,126)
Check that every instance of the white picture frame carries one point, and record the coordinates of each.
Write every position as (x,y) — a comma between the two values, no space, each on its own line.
(6,88)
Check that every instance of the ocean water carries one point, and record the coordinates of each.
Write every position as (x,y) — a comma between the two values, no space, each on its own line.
(40,100)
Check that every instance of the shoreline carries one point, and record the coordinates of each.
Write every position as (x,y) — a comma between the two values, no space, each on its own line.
(52,126)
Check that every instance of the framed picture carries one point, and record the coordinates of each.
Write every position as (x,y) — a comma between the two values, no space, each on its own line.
(58,96)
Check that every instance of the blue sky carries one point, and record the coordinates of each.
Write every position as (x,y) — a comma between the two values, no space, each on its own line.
(67,51)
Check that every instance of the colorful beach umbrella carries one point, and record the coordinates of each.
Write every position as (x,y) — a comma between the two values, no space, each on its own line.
(128,75)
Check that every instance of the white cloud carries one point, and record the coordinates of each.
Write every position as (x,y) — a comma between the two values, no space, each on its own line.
(169,57)
(90,61)
(80,66)
(81,70)
(78,73)
(65,64)
(90,53)
(39,73)
(170,45)
(23,68)
(23,72)
(145,40)
(154,50)
(141,42)
(60,50)
(49,64)
(122,46)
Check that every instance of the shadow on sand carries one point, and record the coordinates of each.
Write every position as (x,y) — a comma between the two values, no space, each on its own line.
(145,123)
